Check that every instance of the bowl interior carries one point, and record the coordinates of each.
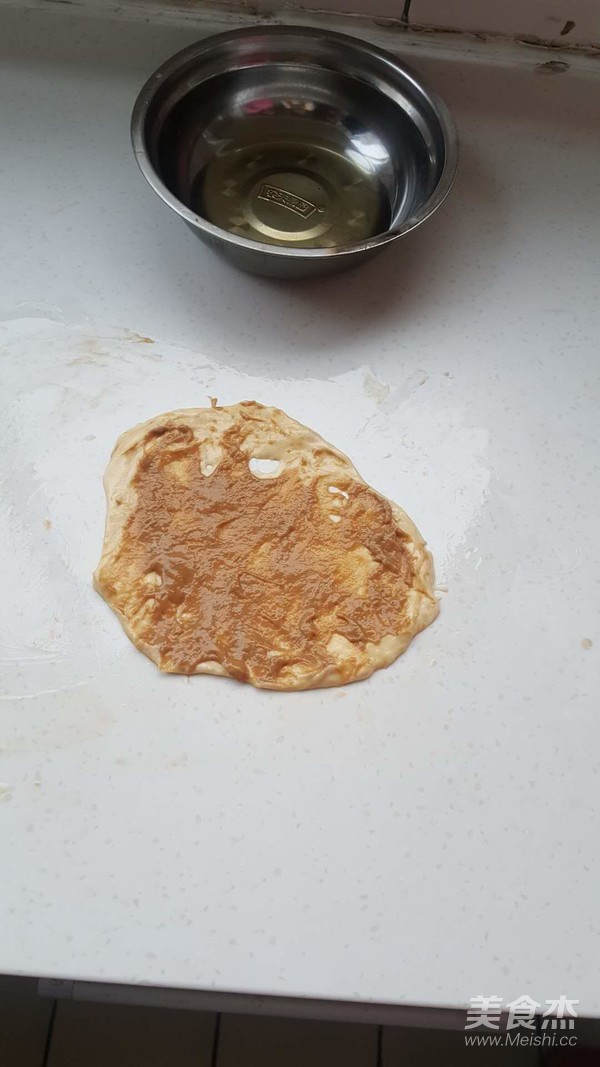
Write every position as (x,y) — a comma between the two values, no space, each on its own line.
(291,151)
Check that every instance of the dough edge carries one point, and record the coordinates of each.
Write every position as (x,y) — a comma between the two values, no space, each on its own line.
(289,442)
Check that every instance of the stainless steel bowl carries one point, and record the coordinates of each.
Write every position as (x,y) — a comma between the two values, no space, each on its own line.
(292,151)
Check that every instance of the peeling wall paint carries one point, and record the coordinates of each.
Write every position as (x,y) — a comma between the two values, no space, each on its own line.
(552,22)
(572,26)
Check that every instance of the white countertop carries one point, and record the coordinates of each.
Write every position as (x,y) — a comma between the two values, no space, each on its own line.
(421,838)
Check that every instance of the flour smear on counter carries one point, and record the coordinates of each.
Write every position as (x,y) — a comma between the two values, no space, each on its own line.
(69,395)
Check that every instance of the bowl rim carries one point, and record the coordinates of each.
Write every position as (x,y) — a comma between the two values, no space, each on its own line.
(197,49)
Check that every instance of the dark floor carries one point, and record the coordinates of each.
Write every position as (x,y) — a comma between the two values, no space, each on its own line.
(36,1032)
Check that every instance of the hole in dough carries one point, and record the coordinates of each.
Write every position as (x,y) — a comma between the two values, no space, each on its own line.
(264,468)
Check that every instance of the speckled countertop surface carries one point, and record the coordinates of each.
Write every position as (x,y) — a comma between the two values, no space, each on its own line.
(421,838)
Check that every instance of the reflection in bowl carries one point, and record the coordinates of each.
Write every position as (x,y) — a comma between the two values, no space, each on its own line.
(291,151)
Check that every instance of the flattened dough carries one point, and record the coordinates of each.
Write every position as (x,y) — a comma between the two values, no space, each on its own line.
(240,543)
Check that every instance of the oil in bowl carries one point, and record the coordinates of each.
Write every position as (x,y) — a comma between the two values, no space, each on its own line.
(292,182)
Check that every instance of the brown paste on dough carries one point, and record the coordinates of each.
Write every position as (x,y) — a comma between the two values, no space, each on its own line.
(253,572)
